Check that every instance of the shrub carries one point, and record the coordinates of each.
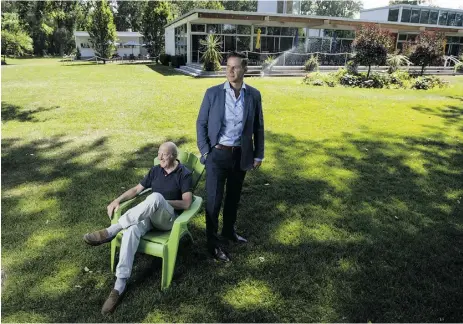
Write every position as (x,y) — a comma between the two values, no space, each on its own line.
(352,67)
(310,77)
(78,54)
(177,61)
(427,82)
(311,64)
(165,59)
(459,67)
(400,79)
(267,64)
(318,82)
(394,61)
(350,80)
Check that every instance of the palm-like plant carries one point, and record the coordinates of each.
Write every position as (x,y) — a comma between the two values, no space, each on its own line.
(211,55)
(267,64)
(394,61)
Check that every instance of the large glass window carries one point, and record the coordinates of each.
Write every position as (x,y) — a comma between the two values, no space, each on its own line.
(415,18)
(243,43)
(273,30)
(230,43)
(214,29)
(451,19)
(198,28)
(180,40)
(402,37)
(286,43)
(229,29)
(443,18)
(244,30)
(406,13)
(433,16)
(424,17)
(393,15)
(288,31)
(280,5)
(459,20)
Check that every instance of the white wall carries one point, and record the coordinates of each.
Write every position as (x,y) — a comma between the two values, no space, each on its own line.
(127,51)
(375,15)
(267,6)
(89,52)
(170,40)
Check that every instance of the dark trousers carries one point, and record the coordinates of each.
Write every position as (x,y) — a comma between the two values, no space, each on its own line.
(222,168)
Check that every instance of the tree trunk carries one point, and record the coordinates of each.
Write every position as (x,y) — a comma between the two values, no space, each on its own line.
(422,69)
(368,74)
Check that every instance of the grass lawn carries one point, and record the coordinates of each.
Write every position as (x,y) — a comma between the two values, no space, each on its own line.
(355,216)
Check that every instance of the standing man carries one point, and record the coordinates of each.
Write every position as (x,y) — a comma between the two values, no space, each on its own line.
(230,137)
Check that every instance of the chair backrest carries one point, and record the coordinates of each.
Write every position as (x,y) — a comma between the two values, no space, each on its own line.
(192,163)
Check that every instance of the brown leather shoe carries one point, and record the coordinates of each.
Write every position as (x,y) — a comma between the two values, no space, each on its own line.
(98,237)
(111,303)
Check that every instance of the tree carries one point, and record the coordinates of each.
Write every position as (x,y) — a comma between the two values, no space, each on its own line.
(410,2)
(182,7)
(63,16)
(102,30)
(371,45)
(429,48)
(129,14)
(15,40)
(240,5)
(155,17)
(346,9)
(83,14)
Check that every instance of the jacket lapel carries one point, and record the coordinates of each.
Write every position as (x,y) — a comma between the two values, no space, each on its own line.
(247,107)
(221,103)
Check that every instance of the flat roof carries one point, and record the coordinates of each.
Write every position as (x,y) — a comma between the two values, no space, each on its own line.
(118,33)
(315,21)
(412,6)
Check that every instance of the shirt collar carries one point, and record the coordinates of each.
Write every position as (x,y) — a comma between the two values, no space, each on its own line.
(227,85)
(175,170)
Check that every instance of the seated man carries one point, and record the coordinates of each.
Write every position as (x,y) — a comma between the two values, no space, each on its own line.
(171,185)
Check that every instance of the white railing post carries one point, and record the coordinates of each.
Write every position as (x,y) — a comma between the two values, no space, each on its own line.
(284,58)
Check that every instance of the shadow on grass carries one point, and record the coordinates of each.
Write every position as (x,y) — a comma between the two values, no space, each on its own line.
(164,70)
(363,228)
(12,112)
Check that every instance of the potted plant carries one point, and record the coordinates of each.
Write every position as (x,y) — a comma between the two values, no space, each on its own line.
(211,55)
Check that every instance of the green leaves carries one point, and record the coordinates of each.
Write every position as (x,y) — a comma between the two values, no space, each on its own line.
(102,29)
(211,55)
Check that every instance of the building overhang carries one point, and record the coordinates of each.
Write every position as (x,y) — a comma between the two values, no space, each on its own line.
(204,16)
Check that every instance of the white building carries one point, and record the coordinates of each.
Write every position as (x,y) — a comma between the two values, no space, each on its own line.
(427,18)
(279,32)
(84,45)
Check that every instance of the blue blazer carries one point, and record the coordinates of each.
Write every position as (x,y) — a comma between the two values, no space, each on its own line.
(212,113)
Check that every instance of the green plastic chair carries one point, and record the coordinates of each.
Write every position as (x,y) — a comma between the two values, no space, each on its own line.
(164,244)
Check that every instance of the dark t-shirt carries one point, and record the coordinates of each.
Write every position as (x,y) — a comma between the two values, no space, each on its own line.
(171,186)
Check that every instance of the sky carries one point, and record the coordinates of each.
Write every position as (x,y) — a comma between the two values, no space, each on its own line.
(456,4)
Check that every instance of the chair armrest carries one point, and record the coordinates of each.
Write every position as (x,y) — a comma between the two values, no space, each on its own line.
(190,212)
(127,204)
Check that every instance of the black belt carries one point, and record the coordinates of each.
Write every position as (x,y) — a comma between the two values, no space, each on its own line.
(228,148)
